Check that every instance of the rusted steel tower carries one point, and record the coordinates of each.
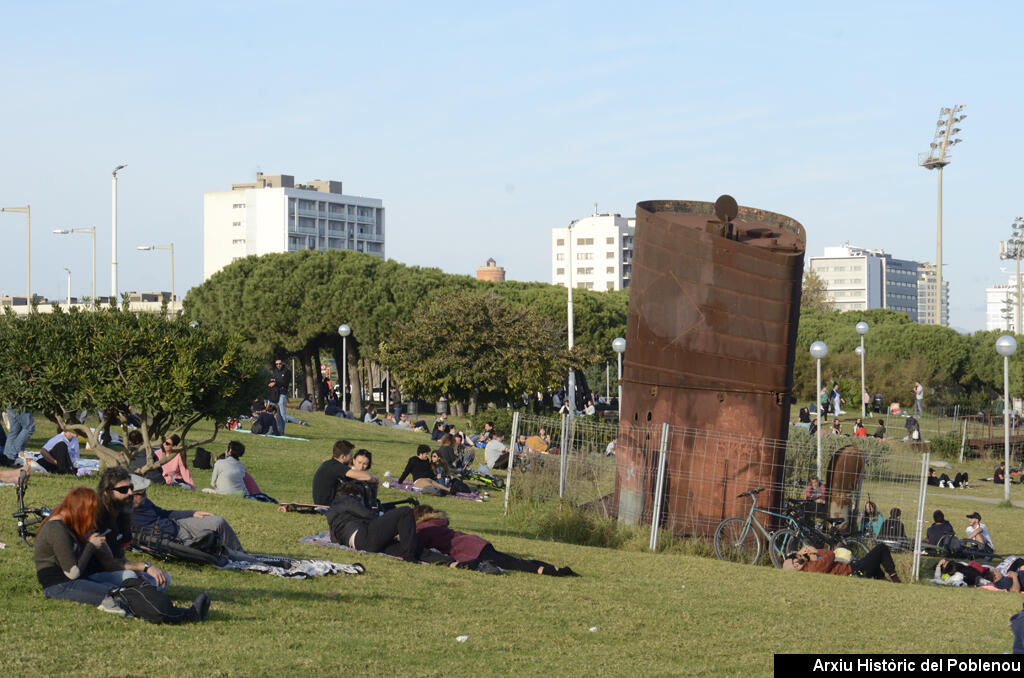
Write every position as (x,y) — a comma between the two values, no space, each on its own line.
(713,310)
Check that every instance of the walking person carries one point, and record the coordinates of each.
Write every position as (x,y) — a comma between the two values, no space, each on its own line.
(918,399)
(280,381)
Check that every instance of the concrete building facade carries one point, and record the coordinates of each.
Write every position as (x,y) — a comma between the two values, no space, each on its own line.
(599,256)
(931,309)
(274,214)
(859,279)
(1001,306)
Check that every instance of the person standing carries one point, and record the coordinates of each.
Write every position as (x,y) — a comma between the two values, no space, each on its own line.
(21,426)
(280,381)
(837,401)
(918,399)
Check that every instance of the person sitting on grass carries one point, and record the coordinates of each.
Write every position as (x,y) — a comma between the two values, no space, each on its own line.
(229,473)
(60,453)
(880,431)
(858,429)
(977,533)
(114,520)
(999,475)
(815,491)
(265,421)
(939,528)
(872,520)
(893,530)
(338,469)
(877,564)
(442,472)
(495,453)
(197,529)
(68,547)
(471,551)
(418,467)
(356,526)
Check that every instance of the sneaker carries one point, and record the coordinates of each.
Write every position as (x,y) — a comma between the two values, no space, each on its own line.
(487,567)
(565,572)
(111,606)
(201,606)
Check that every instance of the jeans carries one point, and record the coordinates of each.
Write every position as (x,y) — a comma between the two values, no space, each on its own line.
(919,407)
(118,577)
(291,420)
(282,403)
(80,591)
(192,530)
(23,425)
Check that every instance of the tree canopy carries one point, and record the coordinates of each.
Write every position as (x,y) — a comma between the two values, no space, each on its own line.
(168,373)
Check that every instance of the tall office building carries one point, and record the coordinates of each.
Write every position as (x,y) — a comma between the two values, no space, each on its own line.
(930,309)
(274,214)
(859,279)
(599,256)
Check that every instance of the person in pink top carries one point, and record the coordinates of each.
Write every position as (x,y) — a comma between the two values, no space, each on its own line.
(176,470)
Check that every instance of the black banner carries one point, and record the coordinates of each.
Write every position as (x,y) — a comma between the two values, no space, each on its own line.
(900,664)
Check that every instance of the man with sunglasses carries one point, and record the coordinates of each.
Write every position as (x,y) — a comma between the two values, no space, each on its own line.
(114,522)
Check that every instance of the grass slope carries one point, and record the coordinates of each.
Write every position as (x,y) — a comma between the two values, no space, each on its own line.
(656,614)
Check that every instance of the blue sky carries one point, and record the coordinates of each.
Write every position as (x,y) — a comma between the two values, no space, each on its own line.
(482,127)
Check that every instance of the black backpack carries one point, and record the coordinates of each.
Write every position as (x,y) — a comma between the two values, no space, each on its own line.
(256,428)
(143,600)
(202,458)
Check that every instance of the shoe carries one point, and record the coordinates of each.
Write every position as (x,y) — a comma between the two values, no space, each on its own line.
(201,606)
(111,606)
(487,567)
(895,578)
(565,572)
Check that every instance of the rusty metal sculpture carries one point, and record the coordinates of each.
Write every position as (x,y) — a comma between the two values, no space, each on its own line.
(713,311)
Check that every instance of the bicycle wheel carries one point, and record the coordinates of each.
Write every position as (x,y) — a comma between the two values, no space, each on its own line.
(783,542)
(737,541)
(857,547)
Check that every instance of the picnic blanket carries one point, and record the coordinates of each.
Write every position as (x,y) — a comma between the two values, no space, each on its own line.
(324,539)
(280,566)
(85,467)
(267,435)
(409,487)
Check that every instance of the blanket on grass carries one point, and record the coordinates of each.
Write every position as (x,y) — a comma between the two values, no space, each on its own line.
(409,487)
(324,539)
(267,435)
(280,566)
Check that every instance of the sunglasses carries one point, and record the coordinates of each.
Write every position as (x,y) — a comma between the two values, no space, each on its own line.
(123,489)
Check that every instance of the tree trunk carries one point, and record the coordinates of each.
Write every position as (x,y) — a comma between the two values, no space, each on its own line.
(472,402)
(355,383)
(310,384)
(457,408)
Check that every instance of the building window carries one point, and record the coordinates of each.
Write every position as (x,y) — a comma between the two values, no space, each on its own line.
(560,242)
(236,223)
(238,206)
(584,271)
(584,241)
(584,256)
(611,285)
(238,241)
(609,241)
(585,286)
(609,255)
(610,269)
(559,271)
(560,256)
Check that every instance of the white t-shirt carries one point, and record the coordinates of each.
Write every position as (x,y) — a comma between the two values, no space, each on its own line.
(919,392)
(493,452)
(984,533)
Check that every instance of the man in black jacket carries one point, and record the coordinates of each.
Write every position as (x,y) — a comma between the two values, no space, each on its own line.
(280,381)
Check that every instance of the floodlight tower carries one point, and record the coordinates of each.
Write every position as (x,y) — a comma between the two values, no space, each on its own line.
(1012,249)
(936,159)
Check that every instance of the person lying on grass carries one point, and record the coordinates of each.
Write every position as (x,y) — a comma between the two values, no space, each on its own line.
(473,552)
(877,564)
(974,574)
(418,467)
(355,525)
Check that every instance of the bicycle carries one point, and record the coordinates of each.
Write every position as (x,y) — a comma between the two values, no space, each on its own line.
(803,532)
(739,539)
(28,517)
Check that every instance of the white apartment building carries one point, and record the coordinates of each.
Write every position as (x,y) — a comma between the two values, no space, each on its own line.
(1001,306)
(853,277)
(274,214)
(599,255)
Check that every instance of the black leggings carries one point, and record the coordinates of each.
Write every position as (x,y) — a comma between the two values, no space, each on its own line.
(507,562)
(876,564)
(394,533)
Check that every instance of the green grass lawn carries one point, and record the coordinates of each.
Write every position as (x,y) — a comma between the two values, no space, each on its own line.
(655,614)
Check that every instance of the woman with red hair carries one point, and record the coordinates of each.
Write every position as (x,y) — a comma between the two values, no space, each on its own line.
(68,549)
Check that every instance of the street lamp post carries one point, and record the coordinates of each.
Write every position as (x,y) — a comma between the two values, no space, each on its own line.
(619,346)
(1012,249)
(91,231)
(27,211)
(170,247)
(572,372)
(1006,346)
(936,159)
(69,286)
(818,351)
(344,331)
(113,233)
(862,329)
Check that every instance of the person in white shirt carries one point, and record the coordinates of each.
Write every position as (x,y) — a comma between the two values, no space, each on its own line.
(229,473)
(978,532)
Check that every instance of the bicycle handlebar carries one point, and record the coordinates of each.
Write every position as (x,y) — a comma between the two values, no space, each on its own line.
(751,493)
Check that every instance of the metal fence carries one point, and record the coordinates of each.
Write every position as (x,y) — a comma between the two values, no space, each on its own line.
(687,481)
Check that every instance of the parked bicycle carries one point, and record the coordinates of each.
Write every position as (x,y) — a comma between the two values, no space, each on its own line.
(742,540)
(803,532)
